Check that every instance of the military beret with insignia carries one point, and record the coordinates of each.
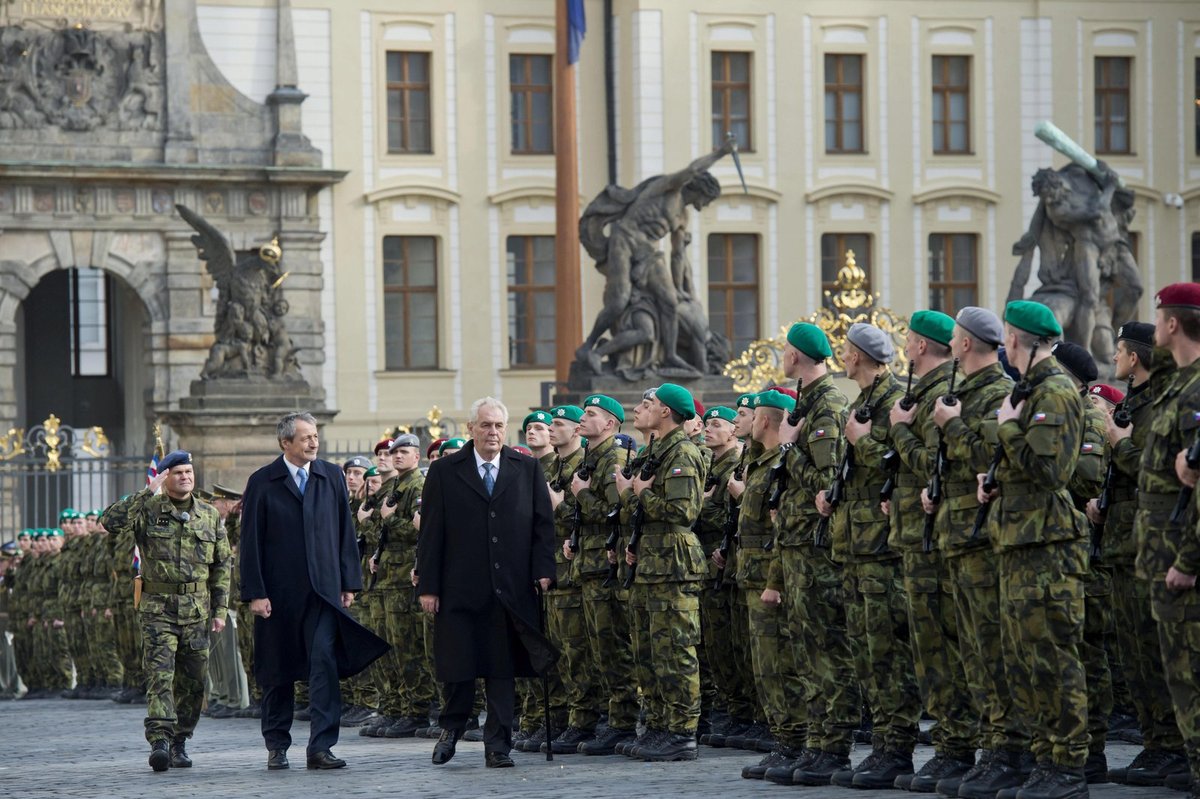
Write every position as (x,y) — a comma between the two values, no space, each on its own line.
(775,399)
(1076,360)
(1141,332)
(405,440)
(982,324)
(746,400)
(677,398)
(383,446)
(874,342)
(572,413)
(452,443)
(71,513)
(1109,394)
(1178,295)
(624,440)
(1032,317)
(9,550)
(372,472)
(720,412)
(537,416)
(933,325)
(172,459)
(698,407)
(605,403)
(522,450)
(221,492)
(811,340)
(357,462)
(434,446)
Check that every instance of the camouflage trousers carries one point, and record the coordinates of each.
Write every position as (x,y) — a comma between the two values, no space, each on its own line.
(606,614)
(877,626)
(1097,629)
(772,656)
(1178,616)
(1042,607)
(58,655)
(406,685)
(816,618)
(1142,660)
(727,650)
(665,622)
(77,646)
(975,584)
(23,650)
(103,650)
(175,659)
(575,692)
(245,642)
(129,644)
(939,667)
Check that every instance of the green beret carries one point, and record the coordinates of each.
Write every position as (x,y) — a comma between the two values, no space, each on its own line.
(68,513)
(1032,317)
(372,472)
(746,400)
(774,399)
(57,532)
(94,513)
(811,340)
(678,399)
(933,325)
(720,412)
(606,404)
(536,416)
(452,443)
(572,413)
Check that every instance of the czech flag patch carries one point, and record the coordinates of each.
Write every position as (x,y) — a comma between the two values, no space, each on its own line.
(819,434)
(676,472)
(1039,417)
(1086,448)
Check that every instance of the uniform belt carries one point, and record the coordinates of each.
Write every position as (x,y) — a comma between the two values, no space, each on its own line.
(1156,502)
(909,480)
(662,527)
(1123,494)
(151,587)
(1021,489)
(959,488)
(754,541)
(863,492)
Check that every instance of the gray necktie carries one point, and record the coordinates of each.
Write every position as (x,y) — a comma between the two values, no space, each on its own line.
(489,482)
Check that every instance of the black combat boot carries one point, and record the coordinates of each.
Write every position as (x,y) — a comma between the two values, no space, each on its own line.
(845,777)
(1096,768)
(1002,771)
(1155,767)
(773,759)
(1057,782)
(160,758)
(936,769)
(670,747)
(605,742)
(568,741)
(884,772)
(179,755)
(782,774)
(821,770)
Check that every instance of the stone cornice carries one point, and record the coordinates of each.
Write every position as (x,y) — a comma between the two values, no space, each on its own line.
(168,173)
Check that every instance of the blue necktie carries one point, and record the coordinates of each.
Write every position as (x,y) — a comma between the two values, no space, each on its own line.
(489,482)
(302,478)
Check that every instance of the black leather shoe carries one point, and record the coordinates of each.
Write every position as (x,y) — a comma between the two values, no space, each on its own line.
(179,755)
(325,760)
(443,750)
(160,758)
(277,759)
(496,760)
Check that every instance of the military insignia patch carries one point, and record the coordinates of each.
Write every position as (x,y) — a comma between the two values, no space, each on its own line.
(1086,448)
(676,472)
(1039,417)
(819,434)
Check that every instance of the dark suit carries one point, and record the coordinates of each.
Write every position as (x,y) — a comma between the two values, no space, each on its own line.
(301,554)
(480,555)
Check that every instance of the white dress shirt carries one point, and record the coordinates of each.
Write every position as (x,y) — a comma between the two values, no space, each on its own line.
(479,461)
(293,469)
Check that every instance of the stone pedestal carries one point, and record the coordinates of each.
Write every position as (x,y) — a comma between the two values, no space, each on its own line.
(709,389)
(229,425)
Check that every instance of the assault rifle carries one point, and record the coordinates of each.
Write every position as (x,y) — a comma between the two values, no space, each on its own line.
(862,415)
(649,467)
(733,513)
(891,458)
(584,472)
(1020,393)
(1122,419)
(612,543)
(939,469)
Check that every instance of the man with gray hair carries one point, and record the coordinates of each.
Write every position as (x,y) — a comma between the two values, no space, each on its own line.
(300,571)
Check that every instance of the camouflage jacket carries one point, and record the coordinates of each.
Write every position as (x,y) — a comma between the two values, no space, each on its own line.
(70,562)
(917,445)
(185,564)
(755,529)
(710,527)
(970,444)
(596,502)
(233,532)
(399,550)
(1174,425)
(669,551)
(1041,451)
(1120,545)
(812,461)
(859,528)
(121,565)
(564,514)
(1088,479)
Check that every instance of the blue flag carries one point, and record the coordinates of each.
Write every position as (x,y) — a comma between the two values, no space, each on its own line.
(576,29)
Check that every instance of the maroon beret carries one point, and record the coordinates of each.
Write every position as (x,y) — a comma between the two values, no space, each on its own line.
(383,446)
(699,407)
(1178,295)
(433,447)
(1107,393)
(791,392)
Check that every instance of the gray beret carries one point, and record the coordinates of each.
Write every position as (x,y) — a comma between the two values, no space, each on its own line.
(982,324)
(405,440)
(873,341)
(357,462)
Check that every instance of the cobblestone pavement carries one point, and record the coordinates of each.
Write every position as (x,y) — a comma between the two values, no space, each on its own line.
(62,748)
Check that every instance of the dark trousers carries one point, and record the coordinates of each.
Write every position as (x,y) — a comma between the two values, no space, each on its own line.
(497,730)
(325,697)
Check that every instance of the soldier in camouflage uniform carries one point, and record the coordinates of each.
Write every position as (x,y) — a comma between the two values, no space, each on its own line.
(605,609)
(70,585)
(104,649)
(939,667)
(876,604)
(54,612)
(1136,632)
(360,694)
(1169,551)
(369,609)
(667,567)
(1086,484)
(185,561)
(968,428)
(733,687)
(574,697)
(804,574)
(128,630)
(1043,555)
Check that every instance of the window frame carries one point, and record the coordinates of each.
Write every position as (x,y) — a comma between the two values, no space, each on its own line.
(404,87)
(408,293)
(727,86)
(1101,94)
(840,89)
(942,92)
(76,348)
(729,287)
(528,289)
(948,284)
(529,90)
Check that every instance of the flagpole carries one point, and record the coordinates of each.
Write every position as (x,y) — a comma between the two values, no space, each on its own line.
(568,302)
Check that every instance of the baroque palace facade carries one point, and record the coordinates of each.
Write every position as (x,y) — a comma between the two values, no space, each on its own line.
(901,130)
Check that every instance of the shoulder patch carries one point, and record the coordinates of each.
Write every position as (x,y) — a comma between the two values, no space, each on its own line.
(819,433)
(1039,417)
(1086,448)
(676,471)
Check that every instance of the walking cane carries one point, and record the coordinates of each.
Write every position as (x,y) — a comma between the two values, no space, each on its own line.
(545,677)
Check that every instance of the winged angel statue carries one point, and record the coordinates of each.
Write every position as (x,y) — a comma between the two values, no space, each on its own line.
(252,339)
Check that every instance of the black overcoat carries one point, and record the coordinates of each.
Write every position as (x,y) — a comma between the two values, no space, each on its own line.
(297,551)
(480,556)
